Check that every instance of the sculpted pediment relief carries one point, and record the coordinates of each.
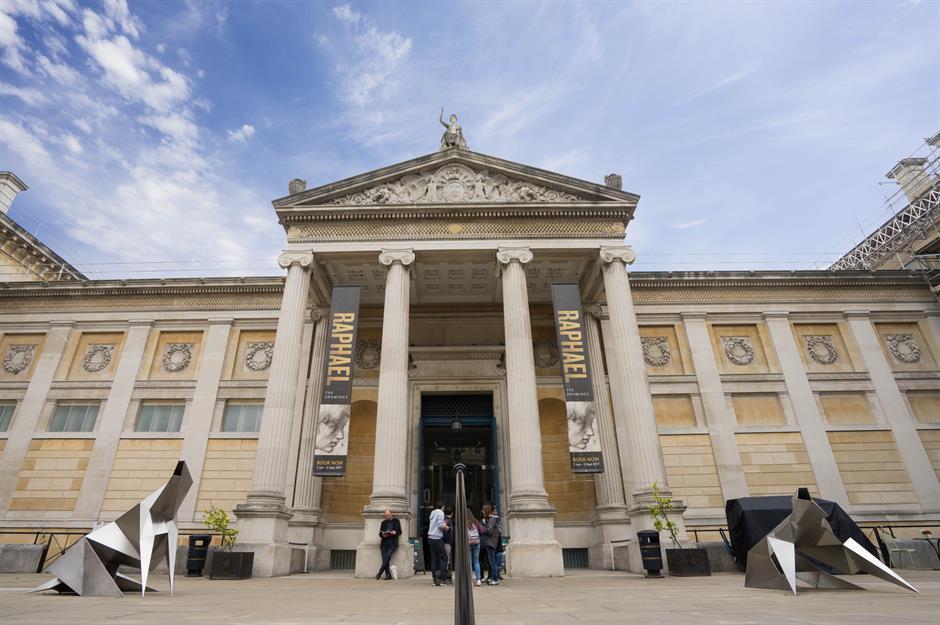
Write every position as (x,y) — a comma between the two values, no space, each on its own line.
(454,183)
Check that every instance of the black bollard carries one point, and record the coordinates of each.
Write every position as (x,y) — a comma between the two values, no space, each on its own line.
(463,586)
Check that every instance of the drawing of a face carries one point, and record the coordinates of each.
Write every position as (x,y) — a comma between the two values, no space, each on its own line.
(331,435)
(581,417)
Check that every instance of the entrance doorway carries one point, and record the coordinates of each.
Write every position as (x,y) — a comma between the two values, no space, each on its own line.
(456,428)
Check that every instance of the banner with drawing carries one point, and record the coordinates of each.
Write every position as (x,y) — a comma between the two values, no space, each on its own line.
(584,444)
(329,456)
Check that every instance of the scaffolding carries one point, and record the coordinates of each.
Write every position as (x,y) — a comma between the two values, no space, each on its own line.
(916,211)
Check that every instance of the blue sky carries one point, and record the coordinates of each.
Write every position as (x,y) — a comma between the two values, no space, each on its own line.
(153,134)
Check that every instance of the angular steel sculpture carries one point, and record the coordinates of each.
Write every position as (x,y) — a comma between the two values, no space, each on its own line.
(140,537)
(788,553)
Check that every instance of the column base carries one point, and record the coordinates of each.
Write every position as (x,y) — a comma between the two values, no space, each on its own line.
(533,550)
(368,554)
(640,519)
(263,528)
(612,537)
(304,530)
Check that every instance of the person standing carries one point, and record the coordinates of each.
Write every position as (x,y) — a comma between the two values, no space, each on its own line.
(491,541)
(389,532)
(473,538)
(437,524)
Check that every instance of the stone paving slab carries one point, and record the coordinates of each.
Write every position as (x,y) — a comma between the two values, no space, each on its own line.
(589,597)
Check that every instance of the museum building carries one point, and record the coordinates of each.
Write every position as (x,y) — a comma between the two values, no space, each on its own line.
(712,385)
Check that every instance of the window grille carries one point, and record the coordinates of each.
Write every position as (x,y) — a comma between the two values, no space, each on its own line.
(74,418)
(575,558)
(343,559)
(457,405)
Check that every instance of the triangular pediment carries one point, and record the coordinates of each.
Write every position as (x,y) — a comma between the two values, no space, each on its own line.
(455,176)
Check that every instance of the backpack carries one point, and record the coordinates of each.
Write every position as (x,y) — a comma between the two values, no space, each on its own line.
(473,534)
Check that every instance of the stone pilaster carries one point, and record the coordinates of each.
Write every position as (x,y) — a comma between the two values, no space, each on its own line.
(390,476)
(533,549)
(631,384)
(896,411)
(718,418)
(262,519)
(612,519)
(202,409)
(812,425)
(307,488)
(30,409)
(111,422)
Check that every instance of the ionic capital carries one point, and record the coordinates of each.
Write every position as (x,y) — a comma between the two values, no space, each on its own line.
(506,255)
(390,257)
(319,312)
(623,253)
(304,259)
(595,310)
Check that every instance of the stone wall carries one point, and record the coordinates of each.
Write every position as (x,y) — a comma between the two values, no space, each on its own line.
(775,463)
(226,474)
(342,499)
(141,466)
(51,477)
(871,467)
(691,471)
(571,494)
(931,441)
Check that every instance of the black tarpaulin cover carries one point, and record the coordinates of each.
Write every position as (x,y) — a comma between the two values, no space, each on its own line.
(752,518)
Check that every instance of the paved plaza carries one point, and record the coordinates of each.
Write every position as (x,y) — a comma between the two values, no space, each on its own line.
(583,597)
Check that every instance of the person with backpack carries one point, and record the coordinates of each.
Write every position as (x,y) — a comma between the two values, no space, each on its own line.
(473,537)
(492,539)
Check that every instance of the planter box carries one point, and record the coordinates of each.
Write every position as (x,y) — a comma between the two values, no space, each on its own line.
(692,562)
(231,564)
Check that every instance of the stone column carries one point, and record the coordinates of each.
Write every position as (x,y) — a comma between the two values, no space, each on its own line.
(390,475)
(812,425)
(262,519)
(533,549)
(896,411)
(632,385)
(614,524)
(30,409)
(307,487)
(202,410)
(718,418)
(111,422)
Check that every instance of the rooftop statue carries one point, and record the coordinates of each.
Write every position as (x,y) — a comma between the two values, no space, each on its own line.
(453,135)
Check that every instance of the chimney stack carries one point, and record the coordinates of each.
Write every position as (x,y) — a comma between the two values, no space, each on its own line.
(614,181)
(10,185)
(910,175)
(296,186)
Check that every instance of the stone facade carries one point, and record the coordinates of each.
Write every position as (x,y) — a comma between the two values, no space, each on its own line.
(714,385)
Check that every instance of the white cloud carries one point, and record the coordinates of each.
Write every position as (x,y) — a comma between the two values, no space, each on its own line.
(685,225)
(345,13)
(82,125)
(240,135)
(29,95)
(60,72)
(72,144)
(21,141)
(11,42)
(161,48)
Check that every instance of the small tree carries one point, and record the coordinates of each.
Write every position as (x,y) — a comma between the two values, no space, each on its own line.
(216,519)
(659,511)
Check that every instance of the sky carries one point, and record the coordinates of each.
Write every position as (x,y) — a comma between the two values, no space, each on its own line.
(154,135)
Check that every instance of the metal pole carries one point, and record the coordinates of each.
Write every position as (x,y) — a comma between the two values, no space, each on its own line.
(463,588)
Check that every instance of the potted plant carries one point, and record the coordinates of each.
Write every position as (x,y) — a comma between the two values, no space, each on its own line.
(226,563)
(683,562)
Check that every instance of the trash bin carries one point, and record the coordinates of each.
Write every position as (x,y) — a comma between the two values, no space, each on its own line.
(196,557)
(650,552)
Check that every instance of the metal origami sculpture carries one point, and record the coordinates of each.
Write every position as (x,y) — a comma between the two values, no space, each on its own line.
(140,537)
(790,552)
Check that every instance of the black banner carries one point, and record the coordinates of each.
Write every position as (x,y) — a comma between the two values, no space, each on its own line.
(329,456)
(584,444)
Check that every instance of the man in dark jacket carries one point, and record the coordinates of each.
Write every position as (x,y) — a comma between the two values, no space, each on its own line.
(389,532)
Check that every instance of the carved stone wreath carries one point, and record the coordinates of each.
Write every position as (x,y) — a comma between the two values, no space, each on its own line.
(903,347)
(454,183)
(18,358)
(821,349)
(546,354)
(656,350)
(738,349)
(258,356)
(368,354)
(177,356)
(97,357)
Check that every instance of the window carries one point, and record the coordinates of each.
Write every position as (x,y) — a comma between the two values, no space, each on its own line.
(74,418)
(242,417)
(6,415)
(159,417)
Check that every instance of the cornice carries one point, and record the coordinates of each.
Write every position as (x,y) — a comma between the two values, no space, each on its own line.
(515,210)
